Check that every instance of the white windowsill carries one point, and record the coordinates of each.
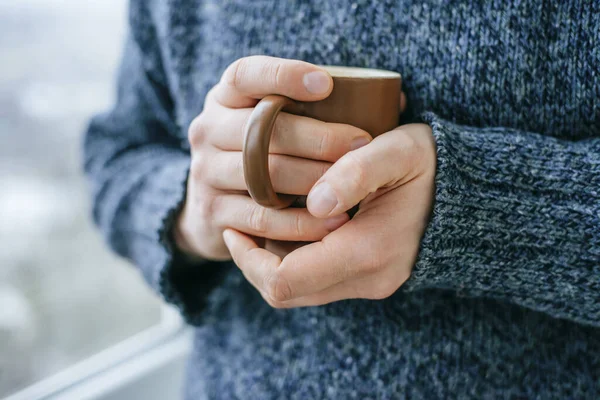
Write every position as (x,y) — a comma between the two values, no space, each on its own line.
(150,363)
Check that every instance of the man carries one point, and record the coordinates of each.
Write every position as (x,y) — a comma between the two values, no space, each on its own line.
(472,269)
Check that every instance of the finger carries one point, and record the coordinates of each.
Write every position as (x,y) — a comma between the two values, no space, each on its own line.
(258,265)
(351,252)
(251,78)
(389,160)
(340,291)
(289,175)
(293,224)
(344,264)
(292,135)
(316,267)
(322,264)
(246,253)
(372,287)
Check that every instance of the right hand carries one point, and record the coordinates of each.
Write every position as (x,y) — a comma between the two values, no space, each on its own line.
(301,150)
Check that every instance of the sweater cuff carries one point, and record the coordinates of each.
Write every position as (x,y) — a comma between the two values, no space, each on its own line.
(181,281)
(514,217)
(497,227)
(478,239)
(430,270)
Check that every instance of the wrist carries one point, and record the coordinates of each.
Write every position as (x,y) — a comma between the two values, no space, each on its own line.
(179,235)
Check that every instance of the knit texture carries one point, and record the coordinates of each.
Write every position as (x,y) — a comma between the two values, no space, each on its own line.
(504,300)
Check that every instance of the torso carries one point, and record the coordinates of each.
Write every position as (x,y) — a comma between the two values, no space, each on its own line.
(529,65)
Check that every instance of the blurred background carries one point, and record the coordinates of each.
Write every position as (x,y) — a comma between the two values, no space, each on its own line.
(63,295)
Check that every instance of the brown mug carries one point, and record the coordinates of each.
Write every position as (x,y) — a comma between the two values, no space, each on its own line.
(365,98)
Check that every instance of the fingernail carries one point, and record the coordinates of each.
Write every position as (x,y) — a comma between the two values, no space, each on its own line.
(321,200)
(359,142)
(335,222)
(316,82)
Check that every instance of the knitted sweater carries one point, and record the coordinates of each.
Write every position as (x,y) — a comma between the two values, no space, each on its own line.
(504,300)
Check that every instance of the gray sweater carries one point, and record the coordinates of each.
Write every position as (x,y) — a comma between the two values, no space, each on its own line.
(504,300)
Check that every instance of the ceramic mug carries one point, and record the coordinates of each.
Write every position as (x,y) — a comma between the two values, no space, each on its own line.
(365,98)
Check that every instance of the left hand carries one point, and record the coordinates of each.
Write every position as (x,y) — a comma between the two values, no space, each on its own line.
(370,256)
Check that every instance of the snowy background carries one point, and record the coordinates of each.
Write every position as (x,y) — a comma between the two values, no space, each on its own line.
(63,296)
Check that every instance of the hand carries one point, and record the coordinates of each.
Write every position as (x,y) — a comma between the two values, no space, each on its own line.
(372,255)
(302,149)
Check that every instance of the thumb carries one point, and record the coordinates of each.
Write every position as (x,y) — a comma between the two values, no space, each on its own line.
(384,162)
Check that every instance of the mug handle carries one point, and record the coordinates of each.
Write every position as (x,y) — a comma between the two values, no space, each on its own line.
(255,153)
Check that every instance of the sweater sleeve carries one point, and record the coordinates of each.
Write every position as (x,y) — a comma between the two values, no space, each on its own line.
(516,217)
(138,172)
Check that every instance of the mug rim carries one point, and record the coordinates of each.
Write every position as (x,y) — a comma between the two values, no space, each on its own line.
(359,72)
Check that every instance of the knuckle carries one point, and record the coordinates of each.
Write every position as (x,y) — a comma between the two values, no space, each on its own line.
(375,259)
(277,288)
(326,143)
(356,170)
(235,73)
(258,219)
(272,303)
(383,289)
(198,169)
(276,70)
(298,225)
(411,149)
(209,178)
(410,146)
(198,131)
(210,96)
(207,207)
(372,265)
(213,168)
